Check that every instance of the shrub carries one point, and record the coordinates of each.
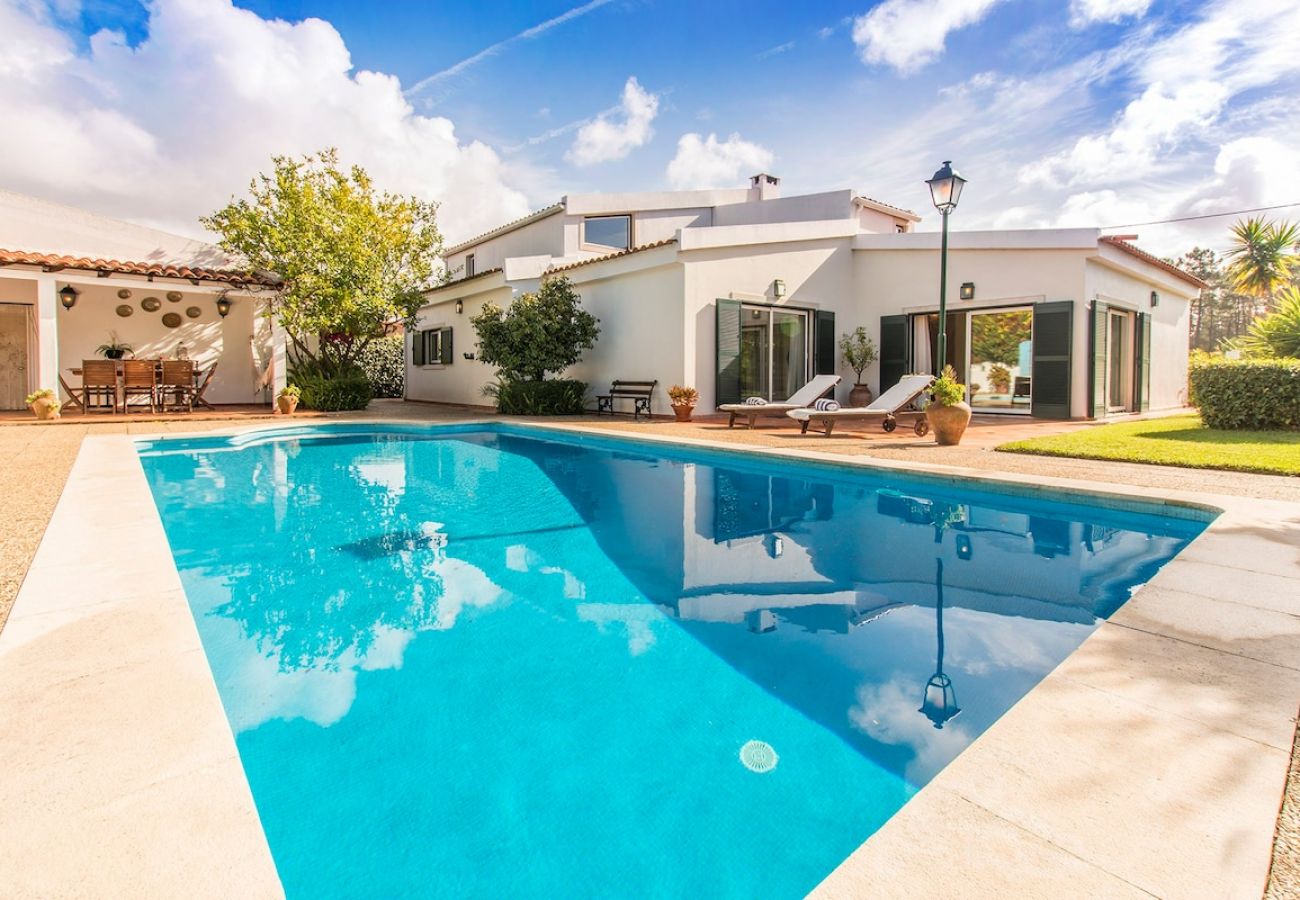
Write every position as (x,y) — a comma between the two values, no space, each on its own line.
(384,367)
(350,390)
(538,334)
(1276,334)
(947,390)
(557,397)
(1258,394)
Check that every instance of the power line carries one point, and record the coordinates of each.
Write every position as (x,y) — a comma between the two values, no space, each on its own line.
(1235,212)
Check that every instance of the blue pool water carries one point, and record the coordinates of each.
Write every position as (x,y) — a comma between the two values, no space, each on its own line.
(499,662)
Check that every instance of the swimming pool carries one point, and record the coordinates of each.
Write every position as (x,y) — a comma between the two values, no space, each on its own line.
(494,660)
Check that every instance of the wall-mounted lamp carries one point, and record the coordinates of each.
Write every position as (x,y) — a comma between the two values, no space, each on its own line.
(1155,299)
(68,296)
(967,290)
(964,548)
(778,288)
(460,307)
(223,306)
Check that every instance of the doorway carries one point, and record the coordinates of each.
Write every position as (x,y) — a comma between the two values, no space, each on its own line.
(15,354)
(1119,357)
(1000,365)
(774,352)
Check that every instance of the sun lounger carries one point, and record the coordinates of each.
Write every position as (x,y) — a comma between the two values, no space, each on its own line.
(820,386)
(887,407)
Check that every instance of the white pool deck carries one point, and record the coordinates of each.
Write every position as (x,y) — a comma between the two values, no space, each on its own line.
(1151,762)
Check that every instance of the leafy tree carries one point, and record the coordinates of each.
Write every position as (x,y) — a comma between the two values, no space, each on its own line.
(1263,256)
(1221,312)
(540,333)
(351,259)
(1276,334)
(997,338)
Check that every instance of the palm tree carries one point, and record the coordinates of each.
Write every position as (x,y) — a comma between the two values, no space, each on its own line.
(1276,334)
(1263,257)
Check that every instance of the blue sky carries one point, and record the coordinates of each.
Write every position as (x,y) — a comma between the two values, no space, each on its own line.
(1060,112)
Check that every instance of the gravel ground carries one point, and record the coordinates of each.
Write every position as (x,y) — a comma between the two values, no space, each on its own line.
(35,461)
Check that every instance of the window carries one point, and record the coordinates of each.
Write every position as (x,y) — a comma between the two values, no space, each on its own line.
(614,232)
(431,347)
(469,266)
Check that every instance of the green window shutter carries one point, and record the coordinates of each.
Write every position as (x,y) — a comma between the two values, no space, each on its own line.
(1049,382)
(1142,375)
(1097,401)
(727,332)
(446,347)
(895,350)
(825,358)
(417,348)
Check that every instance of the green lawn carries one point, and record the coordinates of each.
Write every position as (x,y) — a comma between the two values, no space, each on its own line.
(1175,441)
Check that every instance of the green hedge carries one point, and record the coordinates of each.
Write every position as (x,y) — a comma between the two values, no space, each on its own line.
(556,397)
(1255,394)
(345,392)
(383,363)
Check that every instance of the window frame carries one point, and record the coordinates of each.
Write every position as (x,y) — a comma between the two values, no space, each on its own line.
(431,342)
(469,265)
(609,248)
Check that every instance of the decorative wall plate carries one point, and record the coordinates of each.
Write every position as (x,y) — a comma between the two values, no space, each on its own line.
(174,296)
(193,312)
(125,310)
(151,304)
(124,293)
(171,320)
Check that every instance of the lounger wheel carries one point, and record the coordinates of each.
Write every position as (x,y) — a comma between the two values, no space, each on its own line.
(889,424)
(922,427)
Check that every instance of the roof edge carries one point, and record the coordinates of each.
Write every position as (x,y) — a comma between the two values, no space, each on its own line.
(508,227)
(1133,250)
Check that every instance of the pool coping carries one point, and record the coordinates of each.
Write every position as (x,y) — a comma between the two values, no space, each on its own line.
(1199,672)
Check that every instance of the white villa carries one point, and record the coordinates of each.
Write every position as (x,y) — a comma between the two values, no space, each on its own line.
(743,293)
(69,278)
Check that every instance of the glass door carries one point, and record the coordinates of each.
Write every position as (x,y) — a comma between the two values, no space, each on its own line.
(1117,372)
(773,352)
(1001,359)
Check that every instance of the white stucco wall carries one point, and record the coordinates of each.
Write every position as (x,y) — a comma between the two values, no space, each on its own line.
(463,380)
(542,236)
(207,339)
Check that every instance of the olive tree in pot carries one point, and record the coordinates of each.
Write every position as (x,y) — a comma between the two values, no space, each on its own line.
(948,412)
(858,352)
(683,400)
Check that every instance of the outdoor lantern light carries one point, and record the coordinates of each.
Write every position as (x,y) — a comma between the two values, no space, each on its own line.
(1155,299)
(68,296)
(223,306)
(968,290)
(945,191)
(460,307)
(778,289)
(964,548)
(940,701)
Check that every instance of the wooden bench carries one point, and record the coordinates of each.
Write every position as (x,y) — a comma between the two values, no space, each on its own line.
(639,392)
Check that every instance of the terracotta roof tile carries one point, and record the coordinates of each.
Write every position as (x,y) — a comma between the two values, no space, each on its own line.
(1121,244)
(453,283)
(55,262)
(595,259)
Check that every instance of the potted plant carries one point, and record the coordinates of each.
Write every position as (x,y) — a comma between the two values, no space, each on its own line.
(1000,378)
(683,400)
(948,412)
(44,404)
(858,352)
(114,349)
(287,400)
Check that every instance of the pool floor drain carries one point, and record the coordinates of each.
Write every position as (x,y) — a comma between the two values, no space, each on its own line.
(758,756)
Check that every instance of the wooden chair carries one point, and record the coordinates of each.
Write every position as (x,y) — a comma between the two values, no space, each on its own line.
(203,387)
(99,382)
(139,379)
(177,382)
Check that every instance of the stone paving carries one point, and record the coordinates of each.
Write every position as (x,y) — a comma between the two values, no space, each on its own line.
(37,460)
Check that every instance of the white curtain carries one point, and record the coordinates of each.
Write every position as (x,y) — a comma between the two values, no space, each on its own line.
(922,361)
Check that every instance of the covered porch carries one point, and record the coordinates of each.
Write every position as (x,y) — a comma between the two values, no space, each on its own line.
(56,312)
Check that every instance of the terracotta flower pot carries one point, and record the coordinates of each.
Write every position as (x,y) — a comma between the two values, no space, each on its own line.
(948,422)
(683,413)
(287,404)
(860,395)
(45,409)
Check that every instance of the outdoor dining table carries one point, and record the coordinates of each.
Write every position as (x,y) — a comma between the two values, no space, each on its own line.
(74,396)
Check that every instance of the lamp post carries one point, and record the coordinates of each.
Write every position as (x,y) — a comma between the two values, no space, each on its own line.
(945,191)
(939,704)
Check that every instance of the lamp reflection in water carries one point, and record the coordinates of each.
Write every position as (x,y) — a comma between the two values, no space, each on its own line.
(940,701)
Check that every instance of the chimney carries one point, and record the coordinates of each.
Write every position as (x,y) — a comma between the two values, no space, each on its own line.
(764,187)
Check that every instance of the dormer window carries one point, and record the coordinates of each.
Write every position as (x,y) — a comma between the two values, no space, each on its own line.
(607,232)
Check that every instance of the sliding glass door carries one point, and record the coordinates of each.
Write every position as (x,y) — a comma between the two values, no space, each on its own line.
(1001,360)
(773,352)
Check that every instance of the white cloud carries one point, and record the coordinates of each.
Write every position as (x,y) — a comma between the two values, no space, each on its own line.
(604,138)
(1086,12)
(169,129)
(908,34)
(777,50)
(708,163)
